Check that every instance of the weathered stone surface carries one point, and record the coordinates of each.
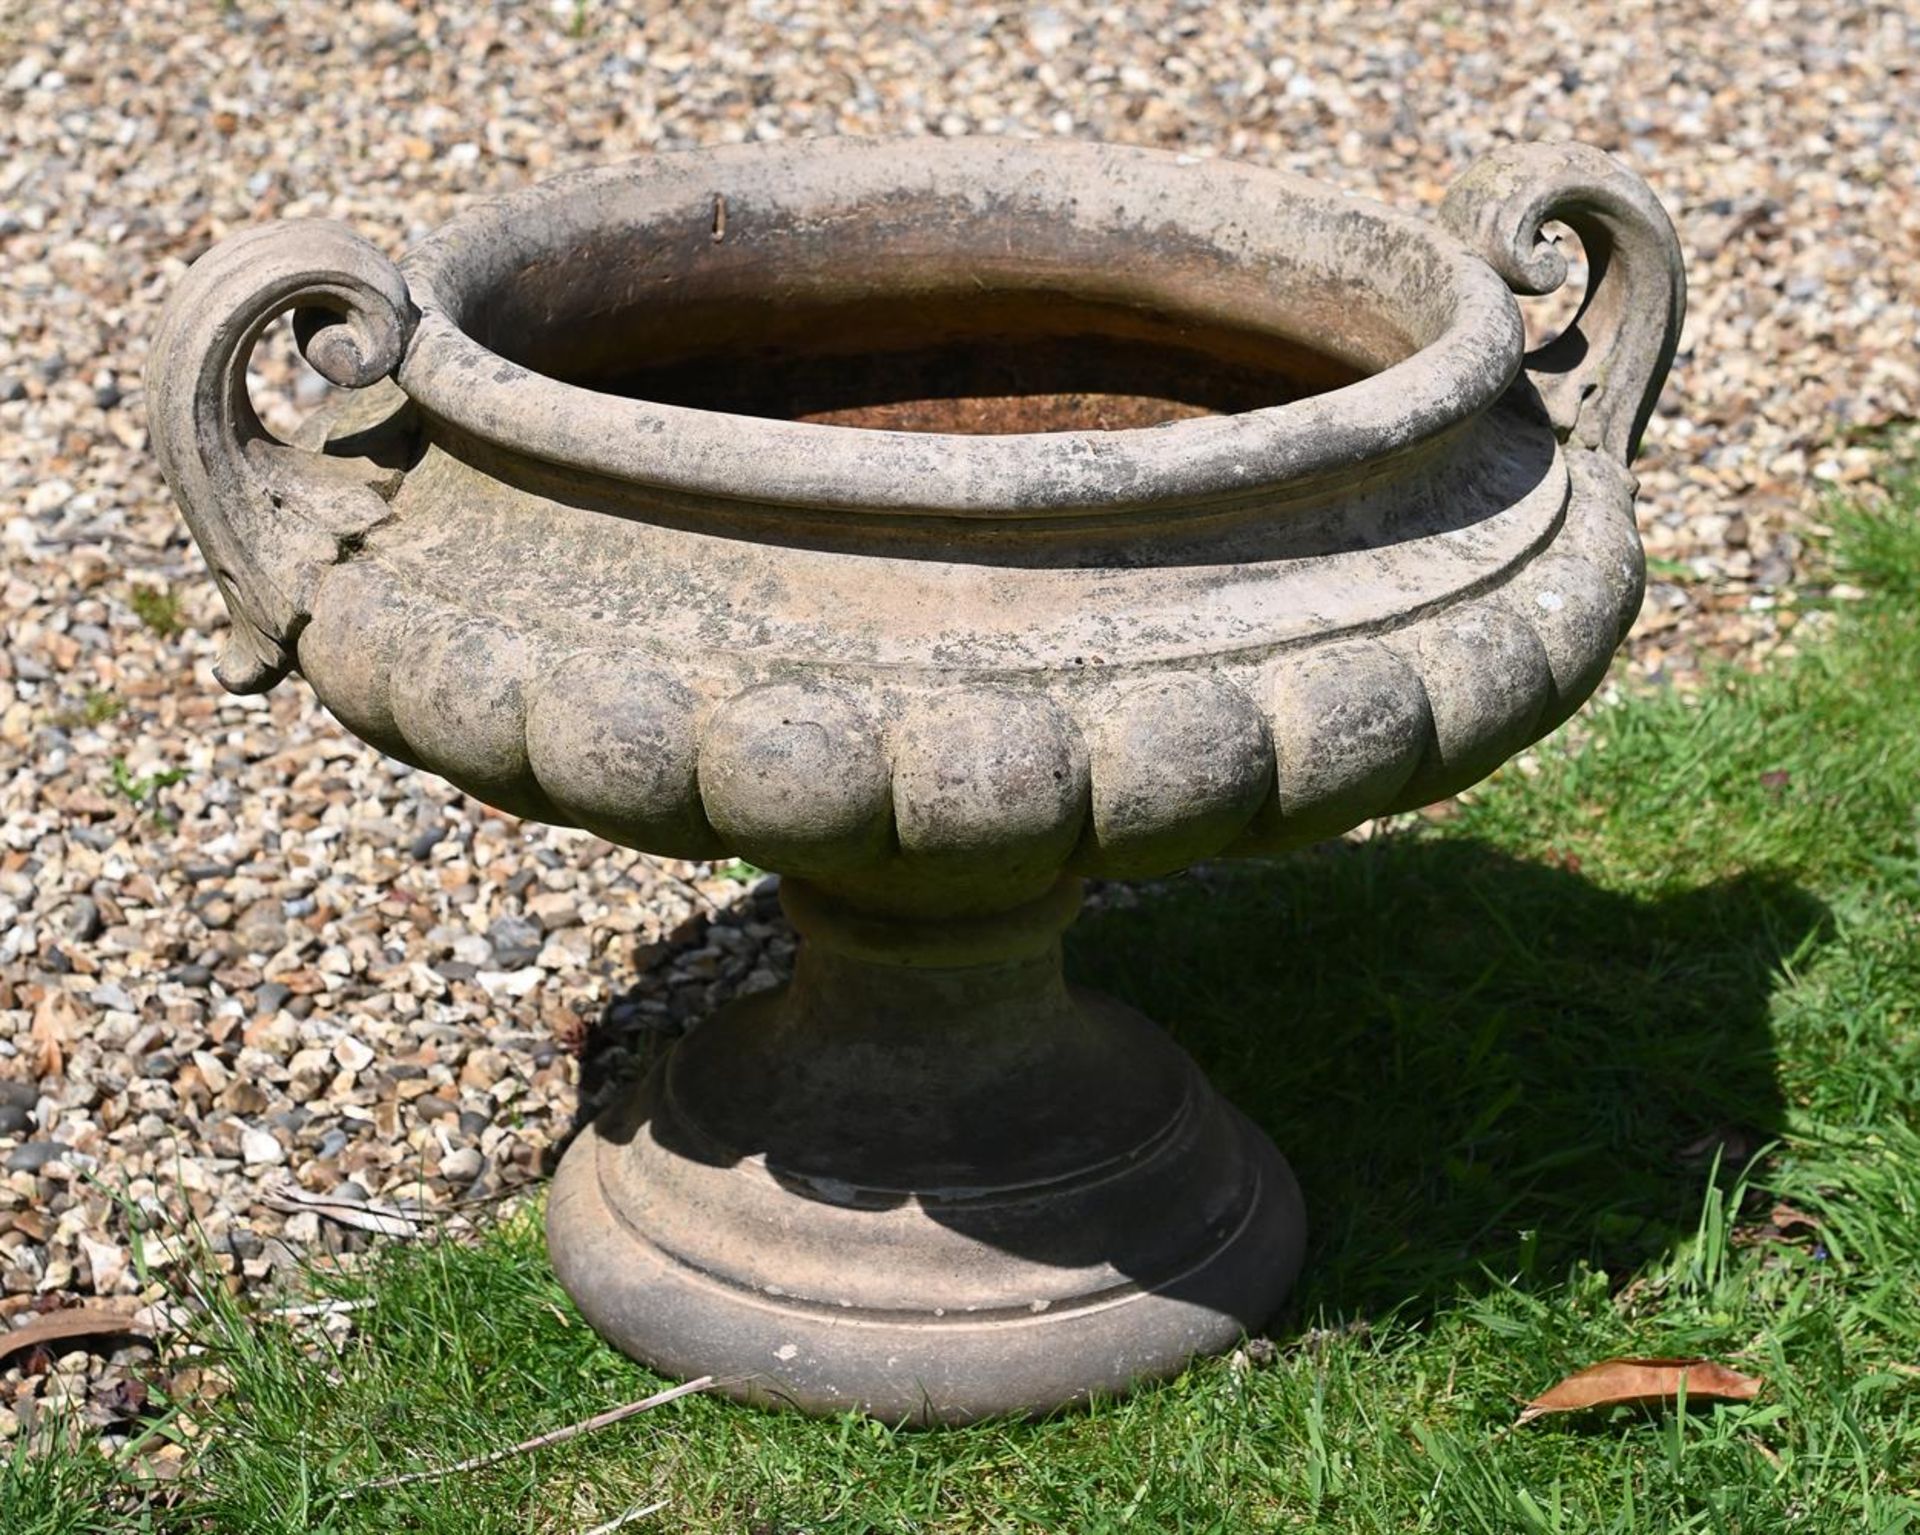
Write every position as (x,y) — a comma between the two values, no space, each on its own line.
(1350,728)
(612,740)
(1571,608)
(989,787)
(930,524)
(351,646)
(1180,766)
(461,696)
(793,776)
(1488,681)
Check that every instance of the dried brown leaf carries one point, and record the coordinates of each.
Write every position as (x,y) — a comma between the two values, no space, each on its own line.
(76,1322)
(1786,1218)
(52,1026)
(1642,1383)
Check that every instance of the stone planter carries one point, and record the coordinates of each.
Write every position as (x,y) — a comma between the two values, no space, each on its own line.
(935,524)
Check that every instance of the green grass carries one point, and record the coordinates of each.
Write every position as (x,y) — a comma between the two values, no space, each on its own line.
(1543,1069)
(143,792)
(158,608)
(96,707)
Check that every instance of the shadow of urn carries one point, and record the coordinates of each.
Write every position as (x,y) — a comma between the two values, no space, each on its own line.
(1485,1068)
(937,525)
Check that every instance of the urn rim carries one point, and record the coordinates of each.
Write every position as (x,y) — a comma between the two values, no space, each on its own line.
(1465,364)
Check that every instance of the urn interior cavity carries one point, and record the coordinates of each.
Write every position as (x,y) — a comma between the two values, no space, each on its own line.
(954,310)
(972,360)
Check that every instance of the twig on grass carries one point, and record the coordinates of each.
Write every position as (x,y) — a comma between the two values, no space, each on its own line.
(636,1512)
(538,1441)
(322,1308)
(381,1220)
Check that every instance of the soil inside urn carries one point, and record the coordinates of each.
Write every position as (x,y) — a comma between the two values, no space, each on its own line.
(973,363)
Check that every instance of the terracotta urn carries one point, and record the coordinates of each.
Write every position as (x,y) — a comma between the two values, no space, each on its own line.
(936,524)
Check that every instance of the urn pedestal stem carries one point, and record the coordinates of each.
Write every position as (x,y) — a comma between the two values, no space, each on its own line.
(927,1180)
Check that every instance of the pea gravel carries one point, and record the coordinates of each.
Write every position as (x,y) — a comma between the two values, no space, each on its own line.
(246,964)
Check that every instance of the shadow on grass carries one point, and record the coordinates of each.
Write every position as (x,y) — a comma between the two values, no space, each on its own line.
(1482,1069)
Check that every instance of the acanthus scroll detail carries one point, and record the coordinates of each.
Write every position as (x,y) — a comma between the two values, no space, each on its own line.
(269,518)
(1599,378)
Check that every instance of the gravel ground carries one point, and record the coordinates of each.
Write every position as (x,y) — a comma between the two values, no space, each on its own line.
(244,962)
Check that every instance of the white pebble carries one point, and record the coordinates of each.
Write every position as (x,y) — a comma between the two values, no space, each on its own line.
(259,1148)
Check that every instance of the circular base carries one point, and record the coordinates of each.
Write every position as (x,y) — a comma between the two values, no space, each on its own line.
(932,1304)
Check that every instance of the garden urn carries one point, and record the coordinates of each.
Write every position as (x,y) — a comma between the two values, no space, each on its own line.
(936,525)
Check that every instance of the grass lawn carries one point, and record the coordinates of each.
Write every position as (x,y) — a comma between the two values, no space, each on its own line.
(1544,1068)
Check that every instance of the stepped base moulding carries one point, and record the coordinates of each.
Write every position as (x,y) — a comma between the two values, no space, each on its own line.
(936,524)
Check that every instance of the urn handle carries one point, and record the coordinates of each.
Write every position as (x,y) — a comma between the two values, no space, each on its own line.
(1600,377)
(269,517)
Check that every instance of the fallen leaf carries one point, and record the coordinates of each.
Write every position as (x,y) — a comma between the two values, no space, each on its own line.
(52,1022)
(75,1322)
(1783,1224)
(1786,1218)
(1640,1383)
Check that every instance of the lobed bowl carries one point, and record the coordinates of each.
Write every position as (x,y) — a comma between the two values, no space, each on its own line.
(935,524)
